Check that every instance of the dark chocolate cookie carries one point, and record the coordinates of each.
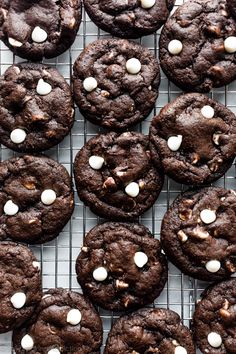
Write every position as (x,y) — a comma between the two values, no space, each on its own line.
(214,321)
(36,29)
(20,285)
(194,139)
(36,107)
(198,46)
(36,199)
(121,266)
(199,233)
(129,18)
(232,6)
(116,83)
(64,322)
(115,177)
(150,331)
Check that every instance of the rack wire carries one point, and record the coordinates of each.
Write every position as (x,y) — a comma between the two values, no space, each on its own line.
(58,257)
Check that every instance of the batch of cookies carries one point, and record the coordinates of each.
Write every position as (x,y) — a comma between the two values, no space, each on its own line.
(118,175)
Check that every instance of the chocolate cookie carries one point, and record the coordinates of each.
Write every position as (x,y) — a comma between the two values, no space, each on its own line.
(194,139)
(36,107)
(64,322)
(214,321)
(198,46)
(150,331)
(121,266)
(20,285)
(116,83)
(115,177)
(36,29)
(129,19)
(36,199)
(232,6)
(198,233)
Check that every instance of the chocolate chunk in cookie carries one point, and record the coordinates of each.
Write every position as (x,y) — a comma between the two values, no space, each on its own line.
(36,29)
(214,321)
(36,108)
(20,285)
(129,19)
(150,331)
(36,199)
(116,83)
(115,177)
(64,322)
(121,266)
(194,139)
(198,46)
(199,233)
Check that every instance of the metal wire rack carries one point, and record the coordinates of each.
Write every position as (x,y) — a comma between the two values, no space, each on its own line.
(58,257)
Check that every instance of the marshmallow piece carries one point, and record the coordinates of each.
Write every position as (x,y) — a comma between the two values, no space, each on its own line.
(140,259)
(208,216)
(213,266)
(147,4)
(39,35)
(208,112)
(175,47)
(132,189)
(14,43)
(27,343)
(10,208)
(43,88)
(36,264)
(214,339)
(18,136)
(74,317)
(18,300)
(100,274)
(180,350)
(96,162)
(48,197)
(133,66)
(174,142)
(54,351)
(230,44)
(90,84)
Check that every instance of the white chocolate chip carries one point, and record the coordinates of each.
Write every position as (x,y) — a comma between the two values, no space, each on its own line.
(96,162)
(54,351)
(18,300)
(18,136)
(208,112)
(39,35)
(140,259)
(133,66)
(213,266)
(208,216)
(45,296)
(10,208)
(230,44)
(132,189)
(175,47)
(14,43)
(174,142)
(48,197)
(180,350)
(147,4)
(43,88)
(74,317)
(27,343)
(214,339)
(100,274)
(90,84)
(36,264)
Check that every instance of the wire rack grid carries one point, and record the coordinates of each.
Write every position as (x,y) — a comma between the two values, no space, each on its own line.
(58,257)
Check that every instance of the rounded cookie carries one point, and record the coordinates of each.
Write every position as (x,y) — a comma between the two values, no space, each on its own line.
(115,177)
(198,46)
(194,139)
(129,19)
(232,6)
(20,285)
(64,322)
(36,29)
(121,267)
(116,83)
(36,199)
(150,331)
(36,107)
(198,233)
(214,320)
